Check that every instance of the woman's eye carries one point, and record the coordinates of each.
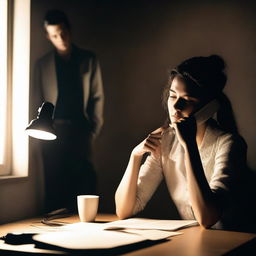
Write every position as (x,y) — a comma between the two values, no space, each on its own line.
(191,101)
(172,96)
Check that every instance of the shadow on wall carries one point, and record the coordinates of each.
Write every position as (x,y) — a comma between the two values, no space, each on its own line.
(137,42)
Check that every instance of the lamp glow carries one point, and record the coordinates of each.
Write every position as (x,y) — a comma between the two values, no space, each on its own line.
(41,134)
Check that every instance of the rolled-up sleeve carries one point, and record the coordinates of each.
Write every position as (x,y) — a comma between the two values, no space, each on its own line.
(150,176)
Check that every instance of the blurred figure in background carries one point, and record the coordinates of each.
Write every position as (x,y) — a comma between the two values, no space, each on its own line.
(69,78)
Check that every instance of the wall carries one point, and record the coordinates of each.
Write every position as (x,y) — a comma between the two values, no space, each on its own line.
(137,42)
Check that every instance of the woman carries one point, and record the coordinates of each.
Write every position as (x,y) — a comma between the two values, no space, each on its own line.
(202,161)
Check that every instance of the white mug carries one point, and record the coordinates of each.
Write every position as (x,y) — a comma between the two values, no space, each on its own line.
(87,207)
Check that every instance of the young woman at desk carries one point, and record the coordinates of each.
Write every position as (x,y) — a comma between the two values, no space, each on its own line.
(202,160)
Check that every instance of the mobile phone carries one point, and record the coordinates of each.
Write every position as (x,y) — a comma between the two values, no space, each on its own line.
(207,111)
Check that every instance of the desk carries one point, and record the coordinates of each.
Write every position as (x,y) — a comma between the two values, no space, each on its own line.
(195,241)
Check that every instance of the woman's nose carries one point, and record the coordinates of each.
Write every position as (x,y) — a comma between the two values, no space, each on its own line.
(179,104)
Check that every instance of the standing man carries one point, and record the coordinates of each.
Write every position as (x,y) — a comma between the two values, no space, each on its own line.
(69,78)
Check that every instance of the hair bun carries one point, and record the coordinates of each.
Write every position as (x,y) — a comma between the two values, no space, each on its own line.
(206,72)
(217,62)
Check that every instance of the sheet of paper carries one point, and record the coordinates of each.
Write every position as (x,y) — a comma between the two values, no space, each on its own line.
(84,226)
(83,236)
(88,239)
(152,234)
(142,223)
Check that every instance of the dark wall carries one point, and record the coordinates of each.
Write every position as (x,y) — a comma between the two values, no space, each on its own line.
(136,43)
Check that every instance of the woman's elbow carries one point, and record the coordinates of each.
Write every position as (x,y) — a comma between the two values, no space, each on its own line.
(124,208)
(205,225)
(122,214)
(207,222)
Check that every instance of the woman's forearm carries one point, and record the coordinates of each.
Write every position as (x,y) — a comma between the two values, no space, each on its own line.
(125,197)
(202,198)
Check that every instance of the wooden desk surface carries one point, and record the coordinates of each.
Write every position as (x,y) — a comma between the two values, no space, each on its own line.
(195,241)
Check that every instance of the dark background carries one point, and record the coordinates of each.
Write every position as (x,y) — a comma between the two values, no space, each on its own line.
(137,42)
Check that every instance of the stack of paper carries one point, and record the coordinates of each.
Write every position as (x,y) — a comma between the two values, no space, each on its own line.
(88,236)
(140,223)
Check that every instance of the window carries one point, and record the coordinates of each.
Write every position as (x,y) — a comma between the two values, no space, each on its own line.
(14,85)
(3,84)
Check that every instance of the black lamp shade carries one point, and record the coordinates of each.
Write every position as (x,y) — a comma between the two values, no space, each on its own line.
(42,126)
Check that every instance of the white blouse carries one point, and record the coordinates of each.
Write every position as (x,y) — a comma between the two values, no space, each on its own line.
(223,157)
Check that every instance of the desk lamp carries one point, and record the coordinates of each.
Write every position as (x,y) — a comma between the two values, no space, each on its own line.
(42,126)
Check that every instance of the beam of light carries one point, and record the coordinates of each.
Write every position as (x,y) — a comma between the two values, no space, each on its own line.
(3,77)
(20,79)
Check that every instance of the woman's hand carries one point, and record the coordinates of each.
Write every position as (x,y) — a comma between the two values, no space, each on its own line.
(152,144)
(186,129)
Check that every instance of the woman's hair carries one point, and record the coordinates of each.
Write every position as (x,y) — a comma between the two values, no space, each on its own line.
(207,78)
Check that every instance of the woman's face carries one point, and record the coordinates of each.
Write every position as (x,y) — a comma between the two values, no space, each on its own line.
(181,101)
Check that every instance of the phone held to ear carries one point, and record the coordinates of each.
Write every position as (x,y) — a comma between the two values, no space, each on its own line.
(206,112)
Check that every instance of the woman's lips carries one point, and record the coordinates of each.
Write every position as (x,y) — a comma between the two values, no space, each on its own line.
(176,117)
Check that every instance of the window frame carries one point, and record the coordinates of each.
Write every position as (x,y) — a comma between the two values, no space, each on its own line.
(5,165)
(18,73)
